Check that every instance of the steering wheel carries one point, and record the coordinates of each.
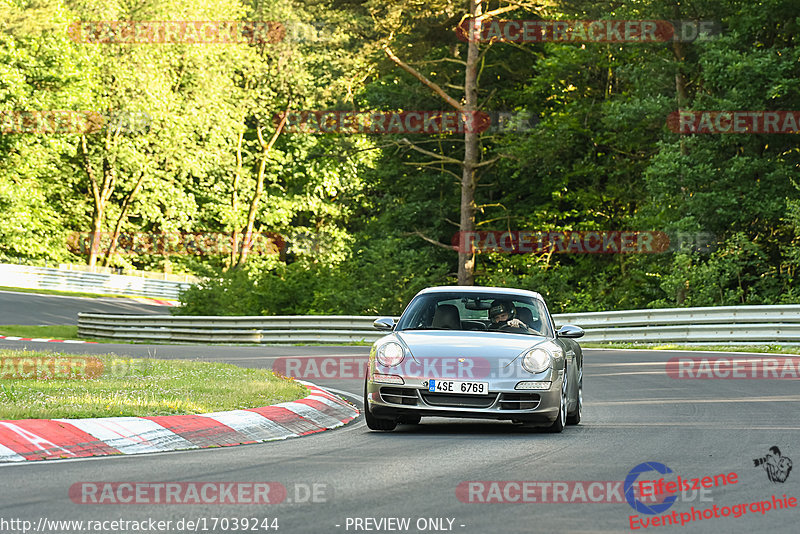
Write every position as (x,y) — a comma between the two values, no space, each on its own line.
(508,328)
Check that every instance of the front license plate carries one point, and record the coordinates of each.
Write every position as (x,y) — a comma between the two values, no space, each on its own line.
(458,387)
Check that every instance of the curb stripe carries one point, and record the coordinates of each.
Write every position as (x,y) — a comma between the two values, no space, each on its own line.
(325,400)
(288,419)
(319,392)
(42,339)
(337,401)
(43,439)
(7,455)
(131,435)
(40,439)
(200,431)
(252,425)
(313,415)
(323,408)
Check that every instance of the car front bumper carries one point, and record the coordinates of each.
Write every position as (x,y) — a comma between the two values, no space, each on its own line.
(503,402)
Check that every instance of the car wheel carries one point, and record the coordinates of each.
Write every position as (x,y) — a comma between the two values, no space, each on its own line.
(561,420)
(410,419)
(575,417)
(373,423)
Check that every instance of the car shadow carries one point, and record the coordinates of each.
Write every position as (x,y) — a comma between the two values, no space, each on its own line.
(452,427)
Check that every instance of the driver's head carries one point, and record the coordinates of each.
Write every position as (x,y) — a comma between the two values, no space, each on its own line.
(501,311)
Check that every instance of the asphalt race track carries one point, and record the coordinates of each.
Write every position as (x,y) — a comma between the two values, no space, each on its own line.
(35,309)
(633,413)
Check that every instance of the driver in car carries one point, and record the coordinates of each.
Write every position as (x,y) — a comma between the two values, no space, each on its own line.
(502,314)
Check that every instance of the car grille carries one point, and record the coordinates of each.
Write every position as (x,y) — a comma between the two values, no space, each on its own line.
(393,395)
(519,401)
(459,401)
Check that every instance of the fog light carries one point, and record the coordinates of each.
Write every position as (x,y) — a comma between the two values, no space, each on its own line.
(532,385)
(387,379)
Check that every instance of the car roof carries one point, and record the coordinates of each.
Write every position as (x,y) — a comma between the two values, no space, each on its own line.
(481,289)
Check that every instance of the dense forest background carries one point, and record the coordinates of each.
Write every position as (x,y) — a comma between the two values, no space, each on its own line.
(191,144)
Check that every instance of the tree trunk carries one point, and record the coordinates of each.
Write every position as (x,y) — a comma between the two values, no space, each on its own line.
(235,201)
(472,154)
(680,78)
(680,86)
(466,258)
(247,237)
(97,222)
(100,195)
(112,247)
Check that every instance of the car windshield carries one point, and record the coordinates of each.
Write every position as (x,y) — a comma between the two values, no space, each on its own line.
(470,311)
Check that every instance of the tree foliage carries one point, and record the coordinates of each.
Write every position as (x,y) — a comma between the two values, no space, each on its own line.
(368,220)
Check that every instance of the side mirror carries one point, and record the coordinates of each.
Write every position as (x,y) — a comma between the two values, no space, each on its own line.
(387,323)
(570,331)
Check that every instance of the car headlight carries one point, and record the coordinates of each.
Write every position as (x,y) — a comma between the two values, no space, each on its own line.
(390,354)
(536,360)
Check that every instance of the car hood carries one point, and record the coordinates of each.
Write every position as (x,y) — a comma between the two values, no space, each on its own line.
(466,344)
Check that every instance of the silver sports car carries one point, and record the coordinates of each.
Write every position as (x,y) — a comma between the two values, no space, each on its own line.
(481,352)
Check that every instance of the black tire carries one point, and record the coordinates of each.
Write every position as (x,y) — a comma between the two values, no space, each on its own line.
(561,419)
(575,417)
(410,419)
(373,423)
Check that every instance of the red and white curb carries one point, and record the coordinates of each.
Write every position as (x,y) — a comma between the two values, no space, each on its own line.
(159,302)
(49,439)
(44,339)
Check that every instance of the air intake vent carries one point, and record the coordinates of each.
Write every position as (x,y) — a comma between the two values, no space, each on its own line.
(459,401)
(519,401)
(395,395)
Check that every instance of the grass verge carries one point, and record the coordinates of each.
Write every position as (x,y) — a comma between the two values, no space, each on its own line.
(767,349)
(44,331)
(57,331)
(71,332)
(68,386)
(65,293)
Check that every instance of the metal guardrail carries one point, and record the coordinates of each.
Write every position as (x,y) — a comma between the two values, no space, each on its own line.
(724,325)
(230,329)
(26,276)
(729,325)
(171,277)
